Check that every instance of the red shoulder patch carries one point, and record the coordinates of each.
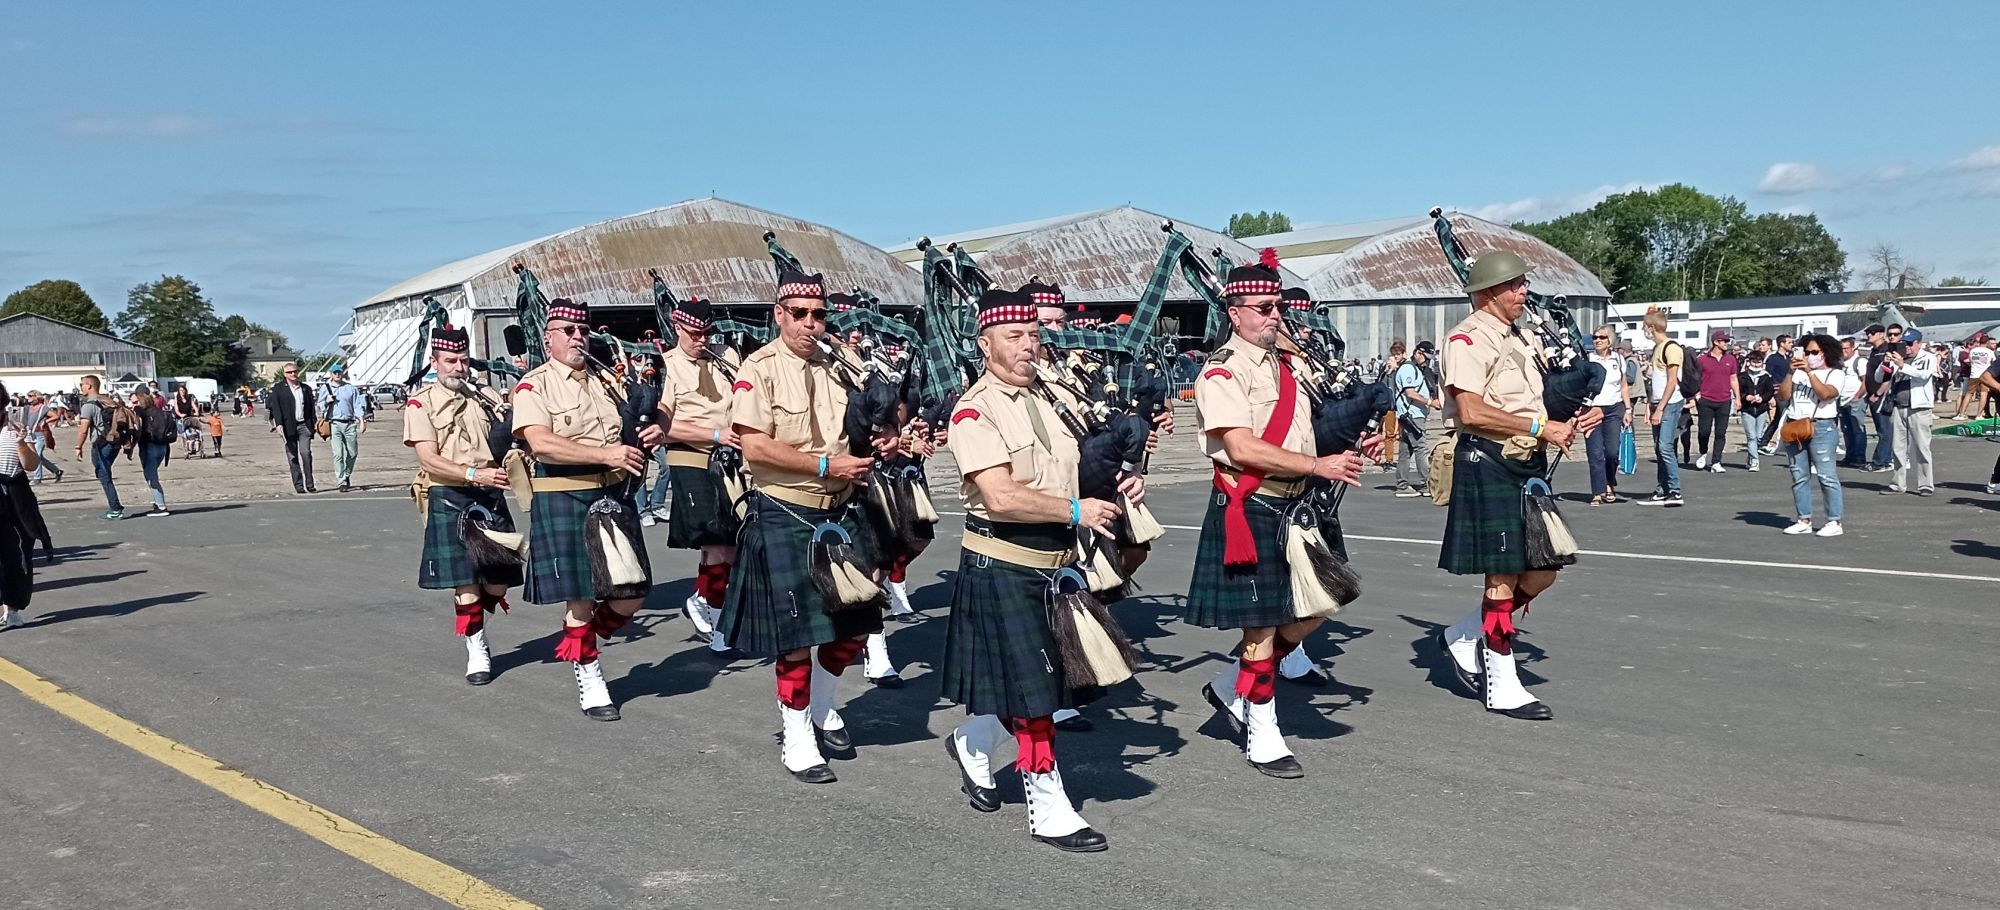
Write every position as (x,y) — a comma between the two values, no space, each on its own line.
(413,403)
(1459,336)
(740,386)
(1217,371)
(525,387)
(964,414)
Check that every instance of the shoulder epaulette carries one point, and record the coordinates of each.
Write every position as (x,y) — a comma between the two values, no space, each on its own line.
(1219,355)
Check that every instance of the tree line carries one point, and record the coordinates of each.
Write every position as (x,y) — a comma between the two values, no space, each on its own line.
(170,315)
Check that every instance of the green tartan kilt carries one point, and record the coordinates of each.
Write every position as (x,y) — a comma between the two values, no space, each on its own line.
(446,563)
(772,605)
(701,515)
(999,657)
(1483,531)
(1241,597)
(558,559)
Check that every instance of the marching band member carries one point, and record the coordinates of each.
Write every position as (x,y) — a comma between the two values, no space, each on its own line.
(449,424)
(1298,666)
(1256,427)
(702,516)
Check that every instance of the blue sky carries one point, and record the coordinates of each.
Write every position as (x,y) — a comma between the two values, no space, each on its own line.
(295,159)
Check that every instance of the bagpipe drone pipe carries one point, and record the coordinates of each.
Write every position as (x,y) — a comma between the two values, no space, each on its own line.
(1569,377)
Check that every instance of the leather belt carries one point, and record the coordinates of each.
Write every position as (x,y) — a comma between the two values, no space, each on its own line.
(803,499)
(1016,554)
(1271,487)
(681,458)
(577,482)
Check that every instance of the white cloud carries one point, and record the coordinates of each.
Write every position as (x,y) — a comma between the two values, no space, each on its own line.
(1890,173)
(154,126)
(1985,159)
(1792,177)
(1542,208)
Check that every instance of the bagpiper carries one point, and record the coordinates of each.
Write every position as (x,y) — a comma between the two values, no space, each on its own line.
(799,585)
(703,515)
(470,545)
(1256,427)
(1005,659)
(1299,666)
(583,544)
(1493,404)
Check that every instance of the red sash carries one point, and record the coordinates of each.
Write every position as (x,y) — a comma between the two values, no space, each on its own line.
(1238,549)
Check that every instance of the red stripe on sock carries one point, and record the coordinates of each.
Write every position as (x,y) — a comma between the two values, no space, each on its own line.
(794,683)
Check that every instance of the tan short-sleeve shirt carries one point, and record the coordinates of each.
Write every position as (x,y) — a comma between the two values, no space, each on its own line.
(454,422)
(1485,355)
(802,404)
(697,391)
(1238,387)
(991,428)
(573,403)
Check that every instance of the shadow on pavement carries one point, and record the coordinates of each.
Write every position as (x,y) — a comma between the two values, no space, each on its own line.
(1975,548)
(1990,505)
(118,609)
(85,580)
(1764,519)
(196,510)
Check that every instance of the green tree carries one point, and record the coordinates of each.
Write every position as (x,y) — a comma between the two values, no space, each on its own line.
(172,317)
(1246,224)
(1959,281)
(1780,254)
(237,327)
(59,299)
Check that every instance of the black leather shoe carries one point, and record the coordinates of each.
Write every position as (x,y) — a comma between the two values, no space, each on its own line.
(984,799)
(1286,768)
(1467,680)
(727,655)
(1077,724)
(817,774)
(1533,710)
(343,488)
(299,490)
(1215,701)
(606,712)
(836,742)
(1314,678)
(887,682)
(908,618)
(478,679)
(1084,841)
(311,490)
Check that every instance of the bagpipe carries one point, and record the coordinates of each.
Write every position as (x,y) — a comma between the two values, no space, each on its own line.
(1569,376)
(947,361)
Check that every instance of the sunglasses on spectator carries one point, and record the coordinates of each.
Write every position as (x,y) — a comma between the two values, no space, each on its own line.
(807,312)
(1262,309)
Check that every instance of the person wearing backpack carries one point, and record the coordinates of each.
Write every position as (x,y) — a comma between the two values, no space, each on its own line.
(100,428)
(1669,399)
(157,432)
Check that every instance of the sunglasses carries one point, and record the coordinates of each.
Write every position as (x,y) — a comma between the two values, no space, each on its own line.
(573,331)
(807,312)
(1602,337)
(1262,309)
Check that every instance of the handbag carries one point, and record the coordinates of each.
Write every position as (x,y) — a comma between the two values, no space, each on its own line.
(1796,432)
(324,428)
(1628,452)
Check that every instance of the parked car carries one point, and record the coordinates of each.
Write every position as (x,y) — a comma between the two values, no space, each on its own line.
(388,395)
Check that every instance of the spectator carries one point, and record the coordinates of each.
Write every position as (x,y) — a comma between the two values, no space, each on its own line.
(291,412)
(1613,398)
(1391,422)
(1853,414)
(215,431)
(1416,396)
(1883,414)
(1910,375)
(16,579)
(1755,389)
(347,412)
(157,432)
(1665,416)
(1813,388)
(1978,359)
(1715,401)
(1778,363)
(38,426)
(95,429)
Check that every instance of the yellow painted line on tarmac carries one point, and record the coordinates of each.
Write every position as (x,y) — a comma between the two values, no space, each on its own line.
(439,880)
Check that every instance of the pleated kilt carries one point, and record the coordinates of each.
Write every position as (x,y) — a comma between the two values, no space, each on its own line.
(446,563)
(701,515)
(558,561)
(772,604)
(1241,597)
(1483,529)
(999,657)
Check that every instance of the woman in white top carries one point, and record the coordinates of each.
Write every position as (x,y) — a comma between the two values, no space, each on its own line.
(1814,390)
(1601,443)
(16,580)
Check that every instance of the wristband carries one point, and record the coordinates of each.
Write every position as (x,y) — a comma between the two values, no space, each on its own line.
(1076,511)
(715,437)
(470,473)
(1535,427)
(822,466)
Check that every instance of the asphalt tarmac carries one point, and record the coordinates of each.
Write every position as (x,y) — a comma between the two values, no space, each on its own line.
(1736,726)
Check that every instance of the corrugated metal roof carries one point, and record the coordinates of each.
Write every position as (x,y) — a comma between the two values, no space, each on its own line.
(1104,257)
(1323,239)
(713,248)
(1407,263)
(982,239)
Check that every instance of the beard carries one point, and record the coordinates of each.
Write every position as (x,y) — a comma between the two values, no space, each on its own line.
(453,383)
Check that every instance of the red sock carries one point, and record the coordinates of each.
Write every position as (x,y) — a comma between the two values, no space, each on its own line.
(492,601)
(1036,737)
(1497,617)
(1283,647)
(837,656)
(607,621)
(471,618)
(794,683)
(718,583)
(1254,679)
(577,645)
(900,569)
(1522,599)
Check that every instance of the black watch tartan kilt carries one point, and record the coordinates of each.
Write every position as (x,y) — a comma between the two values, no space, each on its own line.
(999,657)
(1241,597)
(1483,529)
(701,515)
(558,563)
(772,605)
(446,563)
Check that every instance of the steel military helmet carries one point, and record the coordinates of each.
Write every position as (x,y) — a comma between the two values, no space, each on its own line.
(1492,268)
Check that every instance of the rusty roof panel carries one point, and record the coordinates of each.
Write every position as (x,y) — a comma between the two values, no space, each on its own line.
(1409,264)
(1104,257)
